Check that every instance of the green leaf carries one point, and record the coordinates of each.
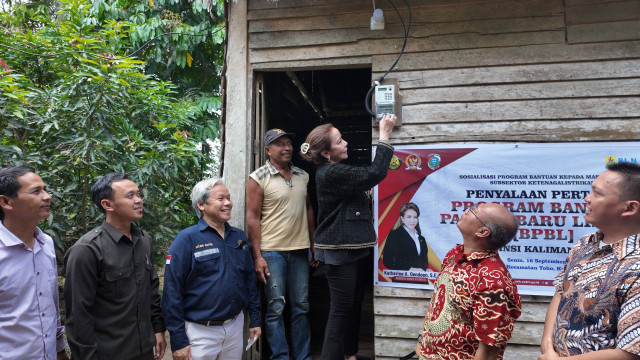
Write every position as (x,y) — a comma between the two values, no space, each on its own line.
(17,150)
(79,112)
(18,114)
(89,61)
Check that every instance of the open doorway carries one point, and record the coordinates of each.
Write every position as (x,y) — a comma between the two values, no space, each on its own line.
(297,102)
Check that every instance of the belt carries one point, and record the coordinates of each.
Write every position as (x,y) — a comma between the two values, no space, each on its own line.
(213,322)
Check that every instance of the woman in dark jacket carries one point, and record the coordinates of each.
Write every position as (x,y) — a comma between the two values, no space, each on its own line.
(405,247)
(345,234)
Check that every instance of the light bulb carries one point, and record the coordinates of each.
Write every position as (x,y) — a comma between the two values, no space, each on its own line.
(377,20)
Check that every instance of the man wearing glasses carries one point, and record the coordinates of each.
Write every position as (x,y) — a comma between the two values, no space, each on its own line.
(475,301)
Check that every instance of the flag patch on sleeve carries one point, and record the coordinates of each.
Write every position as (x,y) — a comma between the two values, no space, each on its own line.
(168,259)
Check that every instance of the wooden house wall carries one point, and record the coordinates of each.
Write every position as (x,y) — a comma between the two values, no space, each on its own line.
(480,71)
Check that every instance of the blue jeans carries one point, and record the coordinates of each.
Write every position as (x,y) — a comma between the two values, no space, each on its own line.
(289,276)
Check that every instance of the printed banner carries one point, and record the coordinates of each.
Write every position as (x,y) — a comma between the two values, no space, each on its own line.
(542,184)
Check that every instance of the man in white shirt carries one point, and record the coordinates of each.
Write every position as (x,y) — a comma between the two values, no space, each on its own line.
(29,320)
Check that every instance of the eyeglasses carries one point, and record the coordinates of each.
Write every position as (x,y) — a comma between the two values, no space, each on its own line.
(474,214)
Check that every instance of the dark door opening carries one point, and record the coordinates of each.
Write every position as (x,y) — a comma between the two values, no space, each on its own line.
(297,102)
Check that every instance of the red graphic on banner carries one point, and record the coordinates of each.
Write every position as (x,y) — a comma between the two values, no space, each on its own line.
(399,187)
(401,184)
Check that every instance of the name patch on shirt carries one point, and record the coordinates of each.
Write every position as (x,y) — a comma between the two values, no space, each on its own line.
(206,252)
(203,245)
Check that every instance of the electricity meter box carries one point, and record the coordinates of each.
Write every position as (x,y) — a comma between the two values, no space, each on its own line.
(387,100)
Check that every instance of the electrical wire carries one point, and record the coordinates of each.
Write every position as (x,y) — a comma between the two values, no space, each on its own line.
(105,56)
(367,99)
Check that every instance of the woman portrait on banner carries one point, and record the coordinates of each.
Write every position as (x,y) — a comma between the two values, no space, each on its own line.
(345,235)
(405,247)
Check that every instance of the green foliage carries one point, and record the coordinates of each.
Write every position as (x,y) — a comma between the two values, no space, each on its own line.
(88,111)
(192,55)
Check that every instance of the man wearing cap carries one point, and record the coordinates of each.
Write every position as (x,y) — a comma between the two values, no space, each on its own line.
(280,228)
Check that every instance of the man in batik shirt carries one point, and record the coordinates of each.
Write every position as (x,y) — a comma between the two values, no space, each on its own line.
(595,312)
(475,301)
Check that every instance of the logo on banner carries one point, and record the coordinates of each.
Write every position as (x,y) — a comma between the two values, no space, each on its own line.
(619,159)
(395,162)
(433,161)
(413,162)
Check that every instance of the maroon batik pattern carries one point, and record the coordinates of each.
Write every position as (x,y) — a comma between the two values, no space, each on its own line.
(474,300)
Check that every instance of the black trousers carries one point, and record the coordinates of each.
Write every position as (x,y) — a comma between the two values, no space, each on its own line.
(146,356)
(346,288)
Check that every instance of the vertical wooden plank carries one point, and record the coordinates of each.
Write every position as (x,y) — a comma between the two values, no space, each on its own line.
(236,156)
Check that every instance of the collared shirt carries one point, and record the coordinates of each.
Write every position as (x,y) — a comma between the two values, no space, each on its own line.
(474,300)
(111,295)
(283,218)
(208,278)
(415,237)
(600,297)
(29,320)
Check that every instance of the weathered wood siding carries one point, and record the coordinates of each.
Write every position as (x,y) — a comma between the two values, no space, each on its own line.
(483,70)
(528,70)
(399,316)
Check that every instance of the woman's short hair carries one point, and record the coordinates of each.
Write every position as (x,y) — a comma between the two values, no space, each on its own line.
(411,206)
(200,192)
(318,141)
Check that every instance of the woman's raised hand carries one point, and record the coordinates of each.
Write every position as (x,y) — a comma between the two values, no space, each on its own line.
(386,124)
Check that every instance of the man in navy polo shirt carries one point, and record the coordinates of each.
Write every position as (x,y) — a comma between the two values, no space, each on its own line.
(209,280)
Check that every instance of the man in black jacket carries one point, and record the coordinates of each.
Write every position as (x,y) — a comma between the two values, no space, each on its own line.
(111,291)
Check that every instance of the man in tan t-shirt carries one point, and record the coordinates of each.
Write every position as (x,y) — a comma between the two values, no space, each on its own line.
(280,227)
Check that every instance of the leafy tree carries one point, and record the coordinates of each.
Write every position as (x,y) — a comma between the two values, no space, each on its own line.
(191,56)
(87,110)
